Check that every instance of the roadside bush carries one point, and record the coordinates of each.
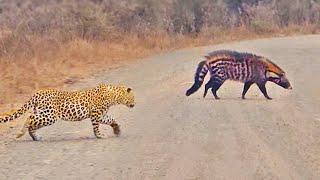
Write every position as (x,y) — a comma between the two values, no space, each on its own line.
(26,23)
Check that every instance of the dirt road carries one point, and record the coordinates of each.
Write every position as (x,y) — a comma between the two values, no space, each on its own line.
(170,136)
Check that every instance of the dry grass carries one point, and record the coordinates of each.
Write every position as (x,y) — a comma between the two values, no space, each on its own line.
(53,65)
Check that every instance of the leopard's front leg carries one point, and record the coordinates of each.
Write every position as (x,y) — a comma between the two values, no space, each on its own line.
(96,130)
(109,120)
(96,117)
(100,117)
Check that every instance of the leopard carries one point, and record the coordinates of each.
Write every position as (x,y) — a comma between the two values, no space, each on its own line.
(52,105)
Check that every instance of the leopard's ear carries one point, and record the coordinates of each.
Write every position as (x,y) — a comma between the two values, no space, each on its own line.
(129,89)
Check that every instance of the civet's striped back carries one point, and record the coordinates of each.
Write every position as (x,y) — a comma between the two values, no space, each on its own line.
(243,67)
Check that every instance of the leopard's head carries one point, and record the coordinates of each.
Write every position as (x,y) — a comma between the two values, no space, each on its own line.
(127,97)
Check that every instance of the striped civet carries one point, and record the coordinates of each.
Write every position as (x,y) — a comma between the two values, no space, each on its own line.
(244,67)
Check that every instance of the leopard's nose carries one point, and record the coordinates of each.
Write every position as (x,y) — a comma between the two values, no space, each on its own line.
(131,105)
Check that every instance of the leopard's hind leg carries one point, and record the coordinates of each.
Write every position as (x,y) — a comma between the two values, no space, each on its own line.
(25,127)
(36,122)
(31,124)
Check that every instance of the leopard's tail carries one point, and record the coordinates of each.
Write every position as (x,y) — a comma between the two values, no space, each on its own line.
(201,72)
(14,114)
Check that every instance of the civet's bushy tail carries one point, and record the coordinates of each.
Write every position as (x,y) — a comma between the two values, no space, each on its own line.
(201,72)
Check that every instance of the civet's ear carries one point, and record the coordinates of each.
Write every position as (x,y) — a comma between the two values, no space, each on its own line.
(272,75)
(129,89)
